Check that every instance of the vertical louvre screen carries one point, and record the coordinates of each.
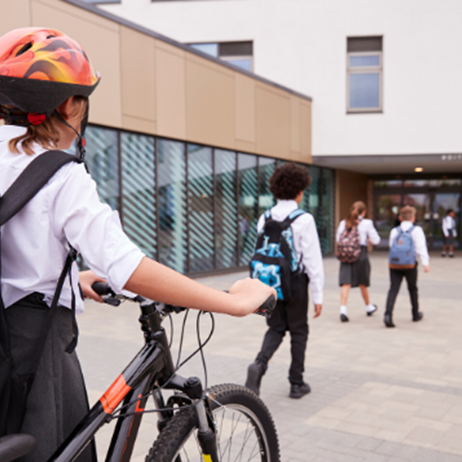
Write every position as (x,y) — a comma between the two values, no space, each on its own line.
(226,209)
(172,240)
(248,206)
(102,159)
(266,168)
(326,213)
(138,190)
(200,208)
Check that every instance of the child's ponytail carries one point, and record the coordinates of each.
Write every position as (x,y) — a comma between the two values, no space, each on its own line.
(356,209)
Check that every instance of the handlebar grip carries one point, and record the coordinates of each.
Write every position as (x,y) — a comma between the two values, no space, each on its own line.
(268,306)
(102,288)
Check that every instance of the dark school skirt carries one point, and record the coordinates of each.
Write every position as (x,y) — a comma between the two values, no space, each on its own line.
(449,239)
(357,273)
(57,400)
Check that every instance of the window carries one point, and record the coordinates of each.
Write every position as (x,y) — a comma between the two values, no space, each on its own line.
(364,74)
(239,54)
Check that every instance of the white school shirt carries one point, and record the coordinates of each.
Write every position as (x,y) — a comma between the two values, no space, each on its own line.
(66,209)
(447,224)
(306,243)
(418,236)
(366,231)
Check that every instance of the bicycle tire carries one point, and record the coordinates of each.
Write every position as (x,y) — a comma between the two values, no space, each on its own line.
(260,430)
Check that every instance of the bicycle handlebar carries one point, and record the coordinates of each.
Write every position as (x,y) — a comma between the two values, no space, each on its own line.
(103,288)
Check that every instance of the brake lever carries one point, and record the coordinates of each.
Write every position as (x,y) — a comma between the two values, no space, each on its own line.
(113,301)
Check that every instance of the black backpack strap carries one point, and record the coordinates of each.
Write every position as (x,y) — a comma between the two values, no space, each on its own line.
(31,180)
(23,189)
(292,217)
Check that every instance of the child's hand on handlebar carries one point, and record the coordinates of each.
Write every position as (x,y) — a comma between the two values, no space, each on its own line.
(249,295)
(86,279)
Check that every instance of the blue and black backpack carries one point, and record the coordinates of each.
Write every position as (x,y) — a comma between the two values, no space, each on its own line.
(402,254)
(275,261)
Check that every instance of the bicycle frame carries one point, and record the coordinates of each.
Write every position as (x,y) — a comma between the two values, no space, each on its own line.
(153,364)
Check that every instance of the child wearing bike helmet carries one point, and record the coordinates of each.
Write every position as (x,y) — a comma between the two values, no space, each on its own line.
(45,81)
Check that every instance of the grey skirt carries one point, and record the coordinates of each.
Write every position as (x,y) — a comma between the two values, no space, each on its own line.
(57,400)
(357,273)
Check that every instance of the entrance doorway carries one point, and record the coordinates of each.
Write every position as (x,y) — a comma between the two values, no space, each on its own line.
(431,198)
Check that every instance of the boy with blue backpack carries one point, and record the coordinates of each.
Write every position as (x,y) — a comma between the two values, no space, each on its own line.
(288,258)
(406,242)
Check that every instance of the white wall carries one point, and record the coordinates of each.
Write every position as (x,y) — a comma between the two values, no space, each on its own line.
(302,44)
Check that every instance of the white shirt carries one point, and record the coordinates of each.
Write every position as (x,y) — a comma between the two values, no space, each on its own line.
(66,209)
(418,236)
(447,224)
(366,231)
(306,243)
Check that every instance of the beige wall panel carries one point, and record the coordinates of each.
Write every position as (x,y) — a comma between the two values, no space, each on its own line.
(305,131)
(170,49)
(138,74)
(246,146)
(139,125)
(210,99)
(87,16)
(102,46)
(171,92)
(245,108)
(349,187)
(295,120)
(210,64)
(18,15)
(273,122)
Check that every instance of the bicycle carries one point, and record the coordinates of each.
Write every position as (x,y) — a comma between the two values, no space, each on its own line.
(225,423)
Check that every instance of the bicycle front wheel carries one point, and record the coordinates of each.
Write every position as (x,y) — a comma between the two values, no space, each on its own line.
(245,430)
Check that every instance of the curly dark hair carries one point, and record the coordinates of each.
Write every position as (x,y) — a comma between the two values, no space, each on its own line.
(289,180)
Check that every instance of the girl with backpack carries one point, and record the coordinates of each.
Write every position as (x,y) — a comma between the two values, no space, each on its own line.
(353,234)
(45,81)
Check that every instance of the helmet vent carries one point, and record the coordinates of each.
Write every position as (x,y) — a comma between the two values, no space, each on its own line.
(24,48)
(51,36)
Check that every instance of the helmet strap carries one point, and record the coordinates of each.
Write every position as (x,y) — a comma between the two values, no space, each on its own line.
(80,138)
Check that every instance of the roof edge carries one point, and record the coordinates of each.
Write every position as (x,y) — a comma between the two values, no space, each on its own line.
(163,38)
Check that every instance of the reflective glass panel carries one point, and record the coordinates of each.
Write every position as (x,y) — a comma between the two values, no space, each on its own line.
(442,202)
(423,218)
(226,220)
(388,184)
(305,203)
(243,63)
(138,190)
(266,168)
(362,61)
(326,215)
(386,211)
(172,239)
(207,48)
(248,206)
(200,208)
(103,163)
(365,90)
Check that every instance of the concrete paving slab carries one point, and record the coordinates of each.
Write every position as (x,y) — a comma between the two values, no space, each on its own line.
(378,394)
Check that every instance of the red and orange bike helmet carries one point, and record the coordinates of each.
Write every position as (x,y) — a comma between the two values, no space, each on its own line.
(41,68)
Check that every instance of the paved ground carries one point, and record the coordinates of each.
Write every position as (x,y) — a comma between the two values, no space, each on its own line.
(378,394)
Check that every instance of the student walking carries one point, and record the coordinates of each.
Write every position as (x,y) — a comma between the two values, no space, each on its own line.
(406,242)
(288,258)
(449,230)
(353,235)
(45,83)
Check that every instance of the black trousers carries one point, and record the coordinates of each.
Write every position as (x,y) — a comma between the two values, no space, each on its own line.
(57,400)
(289,316)
(396,277)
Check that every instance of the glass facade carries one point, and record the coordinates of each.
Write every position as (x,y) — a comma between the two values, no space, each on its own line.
(194,208)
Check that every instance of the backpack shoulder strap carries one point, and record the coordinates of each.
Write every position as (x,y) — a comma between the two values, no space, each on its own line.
(410,229)
(292,217)
(31,180)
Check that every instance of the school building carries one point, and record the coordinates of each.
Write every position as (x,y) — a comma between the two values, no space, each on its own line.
(385,80)
(186,128)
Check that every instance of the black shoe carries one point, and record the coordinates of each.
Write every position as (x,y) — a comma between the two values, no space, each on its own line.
(254,374)
(451,255)
(388,320)
(443,254)
(370,313)
(297,391)
(344,317)
(417,317)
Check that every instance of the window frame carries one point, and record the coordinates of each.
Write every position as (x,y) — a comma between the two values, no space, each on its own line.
(364,70)
(227,59)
